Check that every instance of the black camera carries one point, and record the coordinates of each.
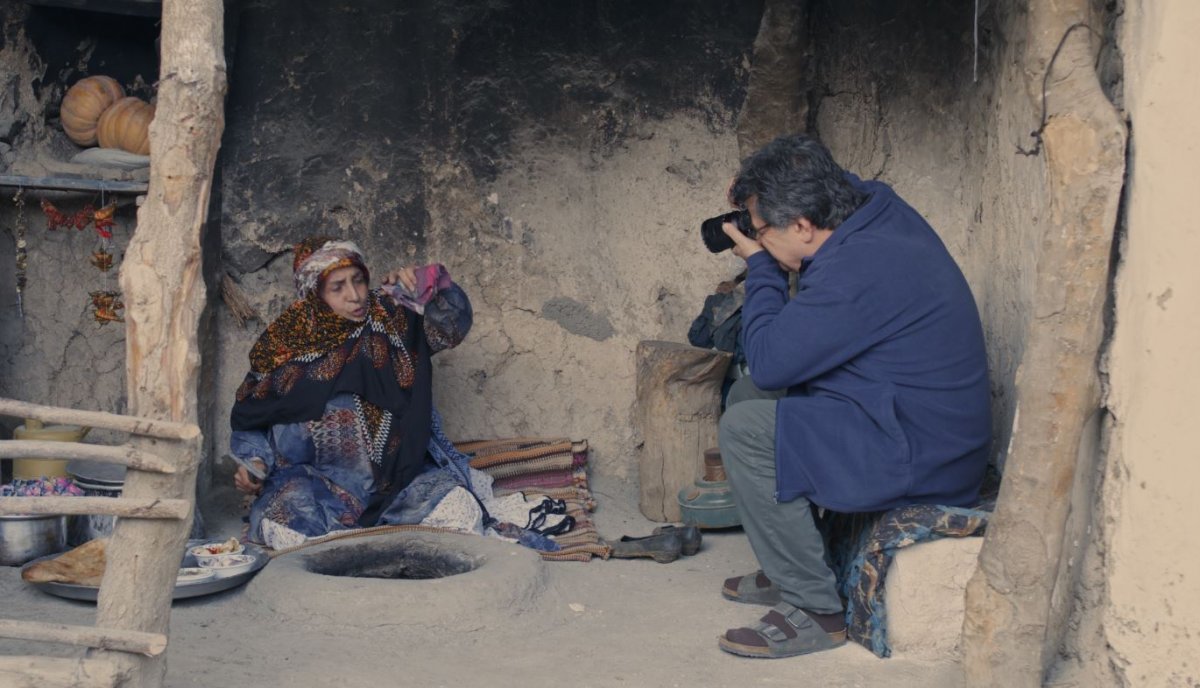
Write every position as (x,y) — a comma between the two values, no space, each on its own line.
(715,239)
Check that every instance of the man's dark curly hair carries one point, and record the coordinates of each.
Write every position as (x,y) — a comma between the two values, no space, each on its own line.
(795,176)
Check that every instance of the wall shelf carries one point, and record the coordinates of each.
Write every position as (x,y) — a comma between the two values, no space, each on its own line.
(72,184)
(142,8)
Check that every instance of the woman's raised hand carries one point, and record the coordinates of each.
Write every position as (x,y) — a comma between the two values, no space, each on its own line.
(405,277)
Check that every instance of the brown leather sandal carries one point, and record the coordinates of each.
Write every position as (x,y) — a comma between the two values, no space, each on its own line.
(786,631)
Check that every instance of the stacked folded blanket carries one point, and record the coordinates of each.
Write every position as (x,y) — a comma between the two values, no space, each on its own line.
(554,467)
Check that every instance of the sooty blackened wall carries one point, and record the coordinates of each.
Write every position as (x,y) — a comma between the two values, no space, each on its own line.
(334,108)
(546,152)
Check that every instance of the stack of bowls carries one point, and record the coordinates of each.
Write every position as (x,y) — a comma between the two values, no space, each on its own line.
(96,480)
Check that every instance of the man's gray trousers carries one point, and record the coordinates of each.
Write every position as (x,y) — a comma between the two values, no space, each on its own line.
(784,535)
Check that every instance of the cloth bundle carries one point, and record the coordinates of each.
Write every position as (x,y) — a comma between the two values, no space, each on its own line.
(549,467)
(40,487)
(431,279)
(862,546)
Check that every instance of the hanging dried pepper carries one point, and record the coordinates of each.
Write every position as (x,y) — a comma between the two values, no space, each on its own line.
(83,217)
(103,260)
(55,218)
(80,219)
(104,219)
(105,305)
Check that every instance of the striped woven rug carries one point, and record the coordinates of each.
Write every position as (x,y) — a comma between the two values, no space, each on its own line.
(554,467)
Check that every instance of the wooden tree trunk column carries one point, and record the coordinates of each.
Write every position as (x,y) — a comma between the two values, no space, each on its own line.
(164,296)
(1010,634)
(777,90)
(678,407)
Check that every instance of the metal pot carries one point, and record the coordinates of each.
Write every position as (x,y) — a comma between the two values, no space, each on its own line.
(709,504)
(23,538)
(96,480)
(87,527)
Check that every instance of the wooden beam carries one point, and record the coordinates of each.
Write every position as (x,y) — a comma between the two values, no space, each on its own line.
(122,640)
(145,427)
(59,672)
(124,507)
(123,455)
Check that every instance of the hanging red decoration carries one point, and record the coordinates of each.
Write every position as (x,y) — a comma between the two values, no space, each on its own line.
(103,260)
(55,218)
(105,305)
(104,219)
(83,217)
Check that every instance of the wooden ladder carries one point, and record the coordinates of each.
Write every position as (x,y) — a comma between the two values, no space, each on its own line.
(154,519)
(163,284)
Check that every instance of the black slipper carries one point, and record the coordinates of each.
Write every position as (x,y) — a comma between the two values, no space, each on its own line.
(663,547)
(689,534)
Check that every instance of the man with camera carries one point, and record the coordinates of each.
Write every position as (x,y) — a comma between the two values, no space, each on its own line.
(868,386)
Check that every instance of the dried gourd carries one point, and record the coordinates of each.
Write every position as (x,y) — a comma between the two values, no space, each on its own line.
(126,125)
(83,104)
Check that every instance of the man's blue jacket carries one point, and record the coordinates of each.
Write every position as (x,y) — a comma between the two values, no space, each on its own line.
(882,353)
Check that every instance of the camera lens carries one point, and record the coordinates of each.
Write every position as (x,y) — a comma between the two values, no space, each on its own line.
(715,239)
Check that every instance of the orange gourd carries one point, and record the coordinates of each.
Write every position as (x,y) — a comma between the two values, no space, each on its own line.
(126,125)
(83,104)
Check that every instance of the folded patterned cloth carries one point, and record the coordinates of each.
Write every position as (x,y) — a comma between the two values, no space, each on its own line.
(431,279)
(862,546)
(41,487)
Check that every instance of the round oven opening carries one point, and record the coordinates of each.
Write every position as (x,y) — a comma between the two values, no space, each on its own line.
(410,560)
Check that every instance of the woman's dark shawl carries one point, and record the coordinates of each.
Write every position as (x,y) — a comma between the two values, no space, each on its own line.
(309,354)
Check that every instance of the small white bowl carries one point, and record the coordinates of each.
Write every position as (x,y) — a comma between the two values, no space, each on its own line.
(213,549)
(193,574)
(226,565)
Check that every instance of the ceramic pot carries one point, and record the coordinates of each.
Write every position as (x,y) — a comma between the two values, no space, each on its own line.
(45,467)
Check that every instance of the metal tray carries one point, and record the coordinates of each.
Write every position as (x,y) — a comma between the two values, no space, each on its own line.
(183,591)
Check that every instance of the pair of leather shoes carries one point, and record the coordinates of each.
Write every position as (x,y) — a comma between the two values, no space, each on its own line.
(664,546)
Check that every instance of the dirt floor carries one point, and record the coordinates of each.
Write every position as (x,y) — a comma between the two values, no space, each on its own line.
(603,623)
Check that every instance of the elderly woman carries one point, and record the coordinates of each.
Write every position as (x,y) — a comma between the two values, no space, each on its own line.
(334,425)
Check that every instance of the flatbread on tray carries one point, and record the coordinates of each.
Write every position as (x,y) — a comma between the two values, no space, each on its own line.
(83,565)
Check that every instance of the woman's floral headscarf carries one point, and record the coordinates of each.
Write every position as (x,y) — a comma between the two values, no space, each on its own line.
(316,257)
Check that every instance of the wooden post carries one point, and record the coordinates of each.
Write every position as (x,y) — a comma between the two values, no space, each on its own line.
(164,296)
(777,90)
(1014,614)
(678,407)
